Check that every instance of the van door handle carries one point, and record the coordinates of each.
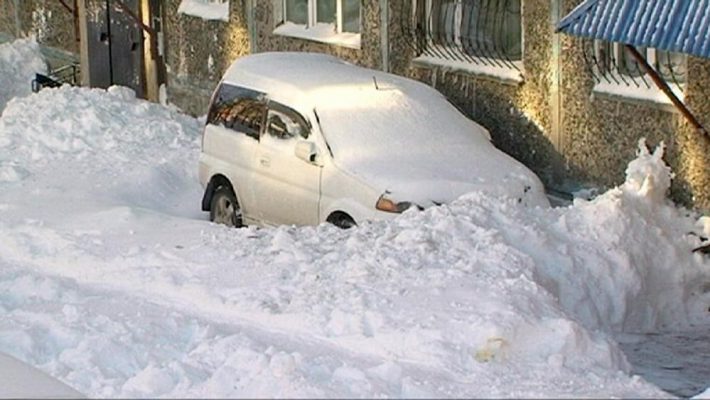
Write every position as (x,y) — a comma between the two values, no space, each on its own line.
(264,161)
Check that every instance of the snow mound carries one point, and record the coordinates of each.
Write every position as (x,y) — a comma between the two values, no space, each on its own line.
(113,280)
(102,136)
(621,262)
(75,122)
(648,175)
(19,62)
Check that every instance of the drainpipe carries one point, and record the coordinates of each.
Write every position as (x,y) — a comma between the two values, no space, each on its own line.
(556,67)
(384,35)
(251,25)
(110,40)
(84,42)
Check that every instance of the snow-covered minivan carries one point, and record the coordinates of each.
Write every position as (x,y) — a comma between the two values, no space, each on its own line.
(302,138)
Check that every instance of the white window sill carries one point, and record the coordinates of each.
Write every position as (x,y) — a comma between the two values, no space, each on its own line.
(324,33)
(641,93)
(205,9)
(485,67)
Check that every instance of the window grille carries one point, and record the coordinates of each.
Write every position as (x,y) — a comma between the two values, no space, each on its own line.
(611,63)
(487,32)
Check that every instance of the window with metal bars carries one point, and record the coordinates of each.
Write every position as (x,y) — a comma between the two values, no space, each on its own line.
(477,31)
(611,63)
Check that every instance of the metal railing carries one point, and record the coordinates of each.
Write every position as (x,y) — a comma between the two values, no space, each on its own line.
(67,74)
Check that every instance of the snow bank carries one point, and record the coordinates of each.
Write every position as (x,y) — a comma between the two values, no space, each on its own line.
(113,281)
(621,261)
(110,139)
(19,62)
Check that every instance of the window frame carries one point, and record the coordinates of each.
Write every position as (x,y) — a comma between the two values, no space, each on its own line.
(609,64)
(312,18)
(291,113)
(459,53)
(215,117)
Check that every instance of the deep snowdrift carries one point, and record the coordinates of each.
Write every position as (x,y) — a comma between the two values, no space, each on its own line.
(113,281)
(19,62)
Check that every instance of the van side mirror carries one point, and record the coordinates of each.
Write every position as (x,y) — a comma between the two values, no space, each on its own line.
(306,151)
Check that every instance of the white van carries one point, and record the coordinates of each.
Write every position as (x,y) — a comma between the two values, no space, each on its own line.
(302,138)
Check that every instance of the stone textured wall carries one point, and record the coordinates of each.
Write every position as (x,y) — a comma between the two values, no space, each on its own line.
(47,20)
(198,52)
(694,148)
(601,132)
(8,25)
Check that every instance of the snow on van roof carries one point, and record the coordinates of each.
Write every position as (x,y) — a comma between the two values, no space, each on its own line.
(292,75)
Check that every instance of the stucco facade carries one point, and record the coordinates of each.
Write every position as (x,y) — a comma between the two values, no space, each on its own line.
(47,20)
(197,52)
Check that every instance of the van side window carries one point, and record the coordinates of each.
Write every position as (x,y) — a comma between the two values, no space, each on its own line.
(285,123)
(240,109)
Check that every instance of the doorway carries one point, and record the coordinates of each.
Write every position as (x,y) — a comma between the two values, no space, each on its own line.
(122,45)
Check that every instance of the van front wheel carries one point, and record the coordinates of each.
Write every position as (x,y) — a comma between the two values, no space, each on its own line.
(225,209)
(341,220)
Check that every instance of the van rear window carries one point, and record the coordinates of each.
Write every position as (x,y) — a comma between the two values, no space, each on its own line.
(240,109)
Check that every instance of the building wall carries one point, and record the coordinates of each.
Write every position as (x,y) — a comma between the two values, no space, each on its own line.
(198,52)
(47,20)
(693,171)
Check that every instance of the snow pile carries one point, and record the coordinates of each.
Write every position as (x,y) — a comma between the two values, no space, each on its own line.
(648,175)
(205,9)
(623,260)
(19,62)
(107,135)
(112,280)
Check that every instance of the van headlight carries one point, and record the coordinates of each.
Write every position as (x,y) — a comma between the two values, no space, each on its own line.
(386,204)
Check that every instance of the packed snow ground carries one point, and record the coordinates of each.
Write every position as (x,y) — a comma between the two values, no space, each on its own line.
(113,281)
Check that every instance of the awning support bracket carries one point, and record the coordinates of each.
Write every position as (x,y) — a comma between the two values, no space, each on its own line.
(663,86)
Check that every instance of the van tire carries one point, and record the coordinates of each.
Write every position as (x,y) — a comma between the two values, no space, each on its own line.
(225,209)
(341,220)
